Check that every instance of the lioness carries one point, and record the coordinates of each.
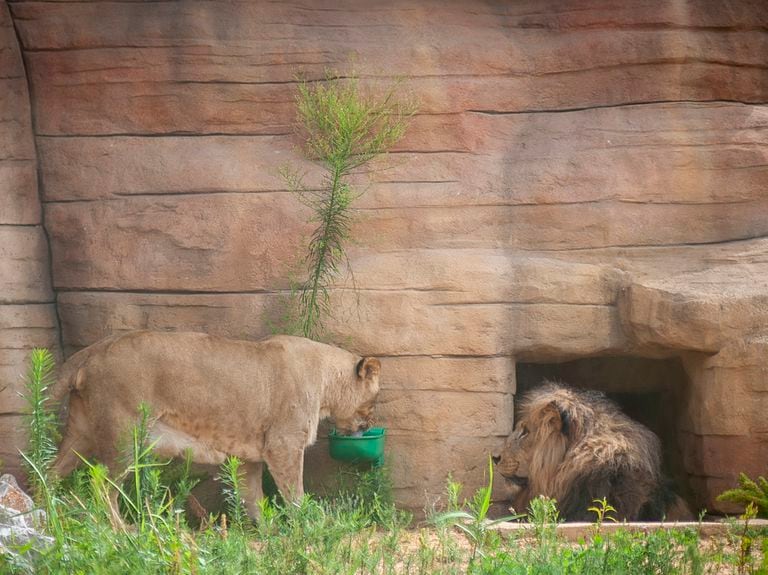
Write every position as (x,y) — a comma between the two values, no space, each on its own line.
(261,401)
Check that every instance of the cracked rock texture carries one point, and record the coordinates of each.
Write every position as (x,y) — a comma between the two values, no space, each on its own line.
(583,179)
(27,314)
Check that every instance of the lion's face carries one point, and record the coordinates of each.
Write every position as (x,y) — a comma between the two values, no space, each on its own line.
(538,442)
(357,414)
(514,462)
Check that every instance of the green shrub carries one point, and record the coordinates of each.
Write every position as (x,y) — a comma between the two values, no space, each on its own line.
(749,491)
(343,130)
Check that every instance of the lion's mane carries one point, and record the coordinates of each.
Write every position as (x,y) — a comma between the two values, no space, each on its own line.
(578,446)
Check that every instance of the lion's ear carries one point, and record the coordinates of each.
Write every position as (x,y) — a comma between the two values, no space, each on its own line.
(557,418)
(368,367)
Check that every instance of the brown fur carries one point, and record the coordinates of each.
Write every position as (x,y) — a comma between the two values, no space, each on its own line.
(577,446)
(260,401)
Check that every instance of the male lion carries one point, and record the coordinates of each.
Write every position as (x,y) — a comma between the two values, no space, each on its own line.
(212,397)
(577,446)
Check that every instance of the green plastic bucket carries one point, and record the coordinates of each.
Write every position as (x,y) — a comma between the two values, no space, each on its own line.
(367,448)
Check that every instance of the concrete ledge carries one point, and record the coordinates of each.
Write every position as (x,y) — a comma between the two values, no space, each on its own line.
(576,531)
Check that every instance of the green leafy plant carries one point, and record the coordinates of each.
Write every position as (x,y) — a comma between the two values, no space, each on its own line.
(41,425)
(232,476)
(343,130)
(41,420)
(368,491)
(452,492)
(143,485)
(544,516)
(473,520)
(748,492)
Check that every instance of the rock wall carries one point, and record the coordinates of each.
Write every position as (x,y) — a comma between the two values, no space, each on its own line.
(582,179)
(27,315)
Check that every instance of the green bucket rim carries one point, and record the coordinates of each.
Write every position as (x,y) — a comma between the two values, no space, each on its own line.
(372,433)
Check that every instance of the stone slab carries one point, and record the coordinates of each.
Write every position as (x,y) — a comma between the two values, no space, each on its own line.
(562,227)
(580,531)
(716,404)
(10,58)
(13,369)
(149,231)
(724,457)
(557,62)
(533,332)
(231,242)
(485,276)
(197,20)
(220,243)
(699,311)
(16,142)
(613,154)
(450,413)
(92,168)
(750,357)
(19,203)
(246,48)
(423,465)
(25,326)
(24,272)
(439,373)
(12,437)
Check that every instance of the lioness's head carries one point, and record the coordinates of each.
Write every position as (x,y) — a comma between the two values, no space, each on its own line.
(355,410)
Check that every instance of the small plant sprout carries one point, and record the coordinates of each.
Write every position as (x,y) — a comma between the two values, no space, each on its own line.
(602,509)
(453,490)
(343,130)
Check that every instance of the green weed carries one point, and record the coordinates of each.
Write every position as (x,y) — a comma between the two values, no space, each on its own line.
(473,519)
(41,421)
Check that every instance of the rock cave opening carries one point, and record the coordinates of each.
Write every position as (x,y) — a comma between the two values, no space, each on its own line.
(651,391)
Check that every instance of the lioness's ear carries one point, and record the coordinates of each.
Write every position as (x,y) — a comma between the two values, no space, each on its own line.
(368,367)
(556,418)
